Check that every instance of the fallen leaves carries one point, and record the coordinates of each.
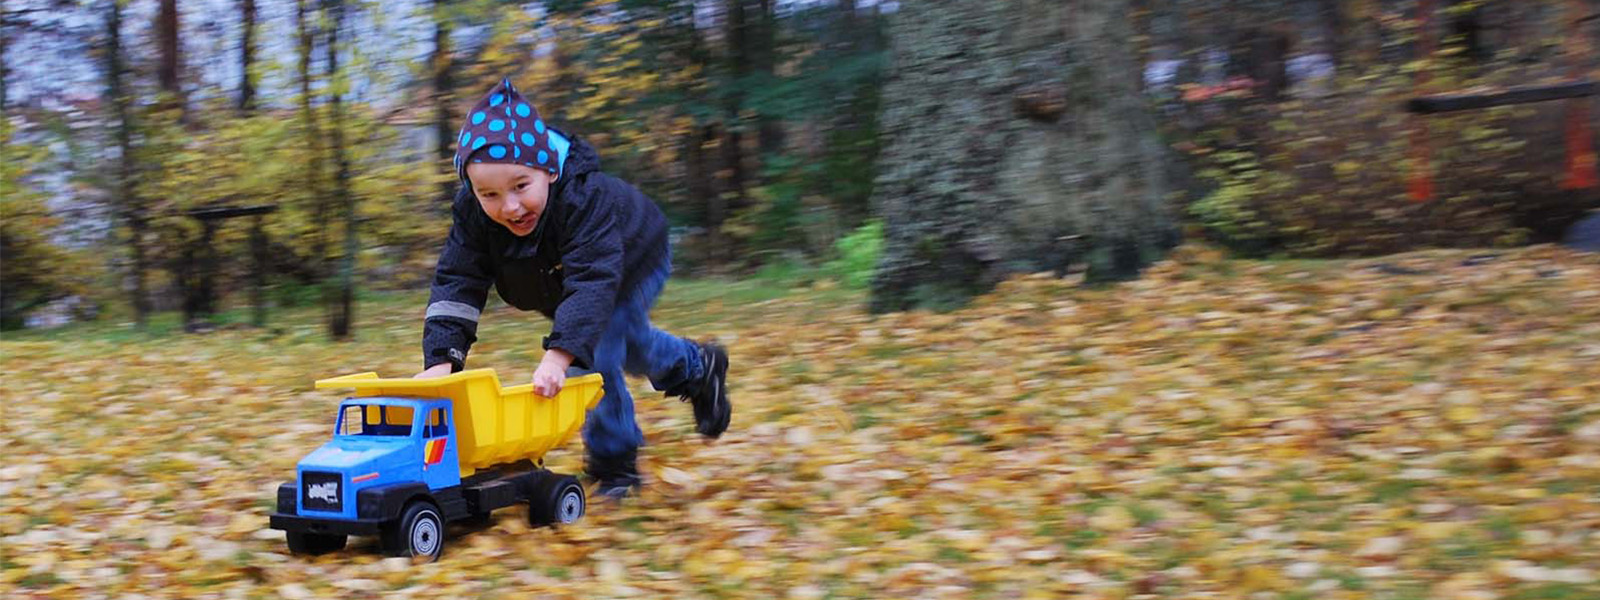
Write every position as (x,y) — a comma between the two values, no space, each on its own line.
(1215,429)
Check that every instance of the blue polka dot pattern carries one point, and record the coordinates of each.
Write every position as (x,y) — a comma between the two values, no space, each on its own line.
(514,123)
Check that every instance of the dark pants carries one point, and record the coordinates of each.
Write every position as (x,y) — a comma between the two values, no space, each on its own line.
(631,344)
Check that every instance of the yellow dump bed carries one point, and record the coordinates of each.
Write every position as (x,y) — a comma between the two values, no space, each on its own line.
(493,425)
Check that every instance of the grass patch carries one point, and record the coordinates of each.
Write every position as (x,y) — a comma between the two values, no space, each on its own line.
(1391,490)
(1552,591)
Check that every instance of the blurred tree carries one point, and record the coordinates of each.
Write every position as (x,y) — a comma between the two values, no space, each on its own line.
(130,207)
(37,271)
(170,68)
(247,49)
(1017,142)
(315,177)
(848,79)
(341,305)
(5,44)
(732,174)
(443,91)
(766,59)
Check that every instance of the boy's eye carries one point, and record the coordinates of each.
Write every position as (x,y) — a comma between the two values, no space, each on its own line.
(522,185)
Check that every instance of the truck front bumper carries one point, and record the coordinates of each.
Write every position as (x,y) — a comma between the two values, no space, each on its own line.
(298,523)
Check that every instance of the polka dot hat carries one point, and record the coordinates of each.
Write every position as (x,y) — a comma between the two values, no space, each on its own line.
(503,127)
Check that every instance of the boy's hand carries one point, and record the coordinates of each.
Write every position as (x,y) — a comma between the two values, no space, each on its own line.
(552,372)
(439,370)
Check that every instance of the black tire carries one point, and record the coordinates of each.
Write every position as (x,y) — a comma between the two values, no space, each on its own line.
(301,542)
(556,500)
(419,532)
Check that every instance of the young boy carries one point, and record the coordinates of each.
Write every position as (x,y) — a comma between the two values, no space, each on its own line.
(537,219)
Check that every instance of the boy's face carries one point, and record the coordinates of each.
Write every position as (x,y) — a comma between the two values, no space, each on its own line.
(512,195)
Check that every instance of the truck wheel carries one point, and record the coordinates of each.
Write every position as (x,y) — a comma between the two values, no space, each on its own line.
(556,501)
(420,532)
(301,542)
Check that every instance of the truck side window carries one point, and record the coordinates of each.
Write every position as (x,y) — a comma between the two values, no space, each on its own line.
(352,423)
(437,425)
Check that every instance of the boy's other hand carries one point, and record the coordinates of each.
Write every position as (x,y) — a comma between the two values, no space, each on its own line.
(552,372)
(439,370)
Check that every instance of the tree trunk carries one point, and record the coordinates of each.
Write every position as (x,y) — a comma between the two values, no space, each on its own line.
(1017,142)
(341,304)
(171,64)
(5,72)
(132,208)
(305,11)
(733,192)
(696,169)
(1466,29)
(766,54)
(247,50)
(1265,53)
(1332,15)
(443,88)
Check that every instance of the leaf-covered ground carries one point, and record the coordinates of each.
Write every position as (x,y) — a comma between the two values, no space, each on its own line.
(1423,426)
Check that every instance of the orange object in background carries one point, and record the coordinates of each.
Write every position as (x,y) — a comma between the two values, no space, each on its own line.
(1421,185)
(1580,149)
(1580,138)
(1420,188)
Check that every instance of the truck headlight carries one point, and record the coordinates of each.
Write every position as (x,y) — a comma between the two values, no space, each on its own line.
(369,504)
(286,495)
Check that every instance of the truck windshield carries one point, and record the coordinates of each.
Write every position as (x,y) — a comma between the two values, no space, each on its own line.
(375,420)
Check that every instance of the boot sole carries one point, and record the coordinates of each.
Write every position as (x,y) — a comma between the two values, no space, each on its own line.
(721,408)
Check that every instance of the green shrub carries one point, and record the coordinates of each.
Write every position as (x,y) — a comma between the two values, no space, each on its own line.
(857,255)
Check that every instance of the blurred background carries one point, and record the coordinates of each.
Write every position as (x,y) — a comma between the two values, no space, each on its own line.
(159,151)
(768,128)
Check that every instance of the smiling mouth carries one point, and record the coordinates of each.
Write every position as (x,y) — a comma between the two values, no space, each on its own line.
(523,223)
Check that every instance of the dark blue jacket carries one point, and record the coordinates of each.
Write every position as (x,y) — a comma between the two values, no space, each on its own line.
(598,236)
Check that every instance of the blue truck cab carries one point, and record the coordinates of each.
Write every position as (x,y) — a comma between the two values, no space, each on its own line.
(377,442)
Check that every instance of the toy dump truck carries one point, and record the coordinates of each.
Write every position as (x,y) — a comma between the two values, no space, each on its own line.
(410,455)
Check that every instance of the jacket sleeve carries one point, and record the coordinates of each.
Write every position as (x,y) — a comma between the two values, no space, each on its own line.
(591,254)
(460,287)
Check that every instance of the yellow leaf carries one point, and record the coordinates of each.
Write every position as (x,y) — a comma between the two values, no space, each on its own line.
(1112,518)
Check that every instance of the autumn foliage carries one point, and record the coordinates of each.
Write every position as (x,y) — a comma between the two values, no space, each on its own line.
(1417,426)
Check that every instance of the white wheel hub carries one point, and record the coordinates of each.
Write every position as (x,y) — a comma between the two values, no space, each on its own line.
(425,534)
(571,507)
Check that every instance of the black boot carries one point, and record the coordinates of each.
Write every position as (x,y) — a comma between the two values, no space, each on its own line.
(712,409)
(618,476)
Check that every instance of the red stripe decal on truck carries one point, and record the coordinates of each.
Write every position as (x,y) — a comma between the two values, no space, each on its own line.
(435,451)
